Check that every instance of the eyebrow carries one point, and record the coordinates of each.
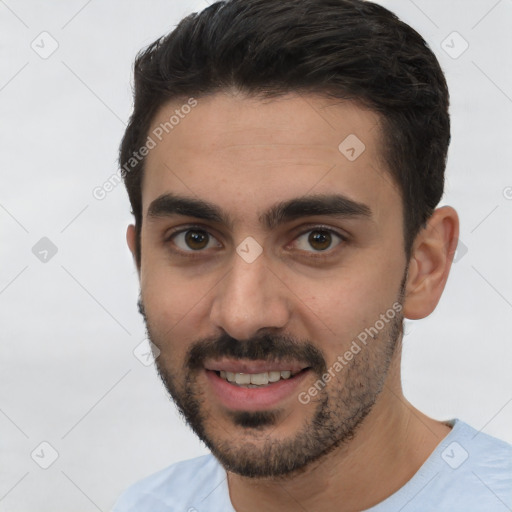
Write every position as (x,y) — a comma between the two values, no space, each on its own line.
(335,205)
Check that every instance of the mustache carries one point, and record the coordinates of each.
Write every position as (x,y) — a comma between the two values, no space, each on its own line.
(265,347)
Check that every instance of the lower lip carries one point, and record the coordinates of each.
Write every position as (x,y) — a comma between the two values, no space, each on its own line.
(255,399)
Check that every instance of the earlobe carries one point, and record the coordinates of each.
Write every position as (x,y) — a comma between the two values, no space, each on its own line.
(429,266)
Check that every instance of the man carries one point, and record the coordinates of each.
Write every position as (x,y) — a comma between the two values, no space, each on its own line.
(284,161)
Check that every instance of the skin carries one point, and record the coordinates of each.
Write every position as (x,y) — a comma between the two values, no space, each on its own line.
(244,155)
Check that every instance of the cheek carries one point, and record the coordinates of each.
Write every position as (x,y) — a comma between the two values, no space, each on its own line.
(176,303)
(339,308)
(167,291)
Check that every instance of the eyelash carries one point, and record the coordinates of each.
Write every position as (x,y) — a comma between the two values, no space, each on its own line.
(313,255)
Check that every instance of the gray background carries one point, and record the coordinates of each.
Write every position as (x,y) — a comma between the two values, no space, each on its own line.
(69,325)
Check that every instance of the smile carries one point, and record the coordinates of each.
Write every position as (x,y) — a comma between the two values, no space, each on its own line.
(254,380)
(254,385)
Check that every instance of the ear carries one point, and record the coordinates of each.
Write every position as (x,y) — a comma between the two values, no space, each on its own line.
(131,240)
(431,259)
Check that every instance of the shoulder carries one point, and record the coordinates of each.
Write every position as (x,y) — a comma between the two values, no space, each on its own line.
(481,450)
(476,470)
(177,487)
(468,471)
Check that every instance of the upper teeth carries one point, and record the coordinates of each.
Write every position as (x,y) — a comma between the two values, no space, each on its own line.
(255,378)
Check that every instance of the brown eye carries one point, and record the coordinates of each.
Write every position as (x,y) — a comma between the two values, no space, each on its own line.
(196,239)
(191,240)
(320,240)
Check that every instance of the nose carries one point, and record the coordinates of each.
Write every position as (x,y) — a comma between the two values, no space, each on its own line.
(249,298)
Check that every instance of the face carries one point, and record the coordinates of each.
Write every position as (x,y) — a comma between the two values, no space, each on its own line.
(272,272)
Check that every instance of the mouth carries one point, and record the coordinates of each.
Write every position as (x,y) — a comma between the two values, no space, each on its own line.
(254,385)
(257,380)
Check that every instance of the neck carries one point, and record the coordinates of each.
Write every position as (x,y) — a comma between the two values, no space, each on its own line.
(388,448)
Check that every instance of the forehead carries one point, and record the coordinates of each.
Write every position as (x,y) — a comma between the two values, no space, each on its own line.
(246,153)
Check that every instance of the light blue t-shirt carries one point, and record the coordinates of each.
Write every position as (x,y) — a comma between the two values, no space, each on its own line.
(469,471)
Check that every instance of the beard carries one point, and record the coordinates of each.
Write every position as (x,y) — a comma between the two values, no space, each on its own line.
(339,407)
